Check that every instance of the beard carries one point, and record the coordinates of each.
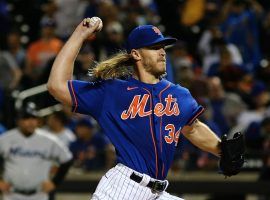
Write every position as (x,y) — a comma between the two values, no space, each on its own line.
(158,69)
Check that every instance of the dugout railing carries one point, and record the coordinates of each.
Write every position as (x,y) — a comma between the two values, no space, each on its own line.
(34,94)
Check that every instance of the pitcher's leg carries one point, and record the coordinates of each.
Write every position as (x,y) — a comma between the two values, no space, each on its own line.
(116,184)
(167,196)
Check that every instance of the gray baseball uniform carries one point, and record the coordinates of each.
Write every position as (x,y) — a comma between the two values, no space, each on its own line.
(28,159)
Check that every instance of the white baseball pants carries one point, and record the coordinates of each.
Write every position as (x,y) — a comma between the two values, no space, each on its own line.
(117,185)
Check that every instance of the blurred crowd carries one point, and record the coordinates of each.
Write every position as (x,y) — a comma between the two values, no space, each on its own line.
(222,56)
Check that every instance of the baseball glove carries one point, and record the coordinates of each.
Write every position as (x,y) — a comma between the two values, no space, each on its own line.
(232,154)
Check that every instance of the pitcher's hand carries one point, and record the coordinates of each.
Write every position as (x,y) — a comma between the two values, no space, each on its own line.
(88,27)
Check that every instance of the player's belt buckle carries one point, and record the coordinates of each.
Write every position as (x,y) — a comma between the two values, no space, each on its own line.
(158,186)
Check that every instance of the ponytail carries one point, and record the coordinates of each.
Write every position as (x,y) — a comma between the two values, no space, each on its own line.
(115,67)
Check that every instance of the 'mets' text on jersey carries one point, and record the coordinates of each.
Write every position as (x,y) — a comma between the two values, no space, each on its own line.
(138,104)
(143,121)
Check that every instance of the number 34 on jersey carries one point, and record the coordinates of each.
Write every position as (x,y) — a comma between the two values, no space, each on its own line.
(173,135)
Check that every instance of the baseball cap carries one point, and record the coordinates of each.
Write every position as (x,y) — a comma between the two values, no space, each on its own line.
(27,111)
(147,35)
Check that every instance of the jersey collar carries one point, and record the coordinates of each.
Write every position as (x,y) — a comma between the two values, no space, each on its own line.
(160,85)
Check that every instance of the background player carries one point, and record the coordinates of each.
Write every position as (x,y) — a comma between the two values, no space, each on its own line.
(28,154)
(140,112)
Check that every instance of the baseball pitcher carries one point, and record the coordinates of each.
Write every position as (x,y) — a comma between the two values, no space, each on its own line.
(141,113)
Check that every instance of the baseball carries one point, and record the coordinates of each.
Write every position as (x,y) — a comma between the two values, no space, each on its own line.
(94,20)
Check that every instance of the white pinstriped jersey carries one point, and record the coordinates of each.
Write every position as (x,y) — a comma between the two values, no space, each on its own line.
(28,159)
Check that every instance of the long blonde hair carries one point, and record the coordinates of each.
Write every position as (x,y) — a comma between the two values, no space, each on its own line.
(115,67)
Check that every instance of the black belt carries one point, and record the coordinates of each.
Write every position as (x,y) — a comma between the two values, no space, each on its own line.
(25,192)
(156,186)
